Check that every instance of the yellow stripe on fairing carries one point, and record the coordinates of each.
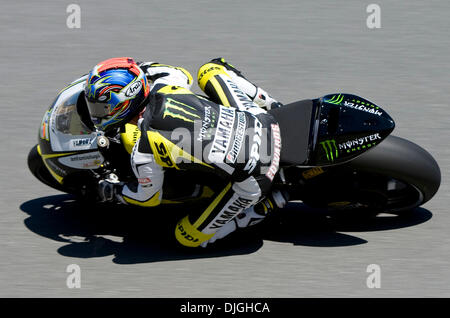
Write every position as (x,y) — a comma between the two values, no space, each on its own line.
(57,177)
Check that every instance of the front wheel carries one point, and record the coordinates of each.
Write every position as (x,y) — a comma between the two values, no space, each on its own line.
(40,171)
(80,181)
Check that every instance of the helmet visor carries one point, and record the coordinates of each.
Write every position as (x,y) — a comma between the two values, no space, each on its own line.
(99,110)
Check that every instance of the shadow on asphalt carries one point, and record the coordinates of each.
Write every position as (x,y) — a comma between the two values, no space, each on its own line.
(138,235)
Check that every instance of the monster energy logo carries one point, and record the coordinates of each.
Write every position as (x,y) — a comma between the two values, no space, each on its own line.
(179,110)
(329,146)
(336,99)
(360,143)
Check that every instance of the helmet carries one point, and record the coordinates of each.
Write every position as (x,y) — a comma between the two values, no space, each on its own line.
(115,92)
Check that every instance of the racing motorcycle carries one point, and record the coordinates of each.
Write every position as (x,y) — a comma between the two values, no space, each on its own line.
(337,154)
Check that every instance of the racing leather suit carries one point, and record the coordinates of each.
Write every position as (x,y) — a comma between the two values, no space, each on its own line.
(227,134)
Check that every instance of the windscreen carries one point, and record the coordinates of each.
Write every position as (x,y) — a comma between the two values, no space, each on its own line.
(67,121)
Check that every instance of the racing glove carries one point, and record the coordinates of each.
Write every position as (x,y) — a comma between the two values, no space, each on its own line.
(264,100)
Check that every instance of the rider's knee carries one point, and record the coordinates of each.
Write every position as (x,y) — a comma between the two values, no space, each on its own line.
(207,71)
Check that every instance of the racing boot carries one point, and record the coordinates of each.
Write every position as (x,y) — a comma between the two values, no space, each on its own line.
(255,93)
(252,215)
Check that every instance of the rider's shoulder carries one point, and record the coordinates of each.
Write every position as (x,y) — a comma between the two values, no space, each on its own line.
(154,71)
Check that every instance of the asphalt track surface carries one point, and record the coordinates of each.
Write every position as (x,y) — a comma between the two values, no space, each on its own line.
(295,50)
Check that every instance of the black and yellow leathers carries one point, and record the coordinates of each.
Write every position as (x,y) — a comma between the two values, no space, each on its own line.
(227,134)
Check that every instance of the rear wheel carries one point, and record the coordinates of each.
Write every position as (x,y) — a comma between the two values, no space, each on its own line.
(377,194)
(394,177)
(408,176)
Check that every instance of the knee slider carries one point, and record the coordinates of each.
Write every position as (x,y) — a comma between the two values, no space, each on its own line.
(187,235)
(249,189)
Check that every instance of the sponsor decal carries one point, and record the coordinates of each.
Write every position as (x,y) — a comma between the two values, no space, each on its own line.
(206,125)
(336,99)
(163,154)
(92,164)
(339,203)
(82,161)
(355,104)
(212,68)
(229,212)
(133,89)
(43,132)
(81,142)
(276,152)
(365,108)
(136,133)
(329,146)
(85,157)
(144,180)
(311,173)
(243,98)
(360,143)
(179,110)
(254,150)
(186,236)
(238,138)
(223,134)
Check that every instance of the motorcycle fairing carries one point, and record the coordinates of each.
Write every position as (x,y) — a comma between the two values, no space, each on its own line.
(65,143)
(330,130)
(346,126)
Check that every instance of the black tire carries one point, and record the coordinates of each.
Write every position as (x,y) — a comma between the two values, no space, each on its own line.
(406,162)
(39,170)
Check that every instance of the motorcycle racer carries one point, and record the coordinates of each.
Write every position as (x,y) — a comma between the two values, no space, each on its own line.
(230,134)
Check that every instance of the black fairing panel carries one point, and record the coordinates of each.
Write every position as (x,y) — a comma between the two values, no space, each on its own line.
(347,125)
(330,130)
(295,123)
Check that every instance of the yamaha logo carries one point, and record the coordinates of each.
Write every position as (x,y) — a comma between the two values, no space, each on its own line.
(133,89)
